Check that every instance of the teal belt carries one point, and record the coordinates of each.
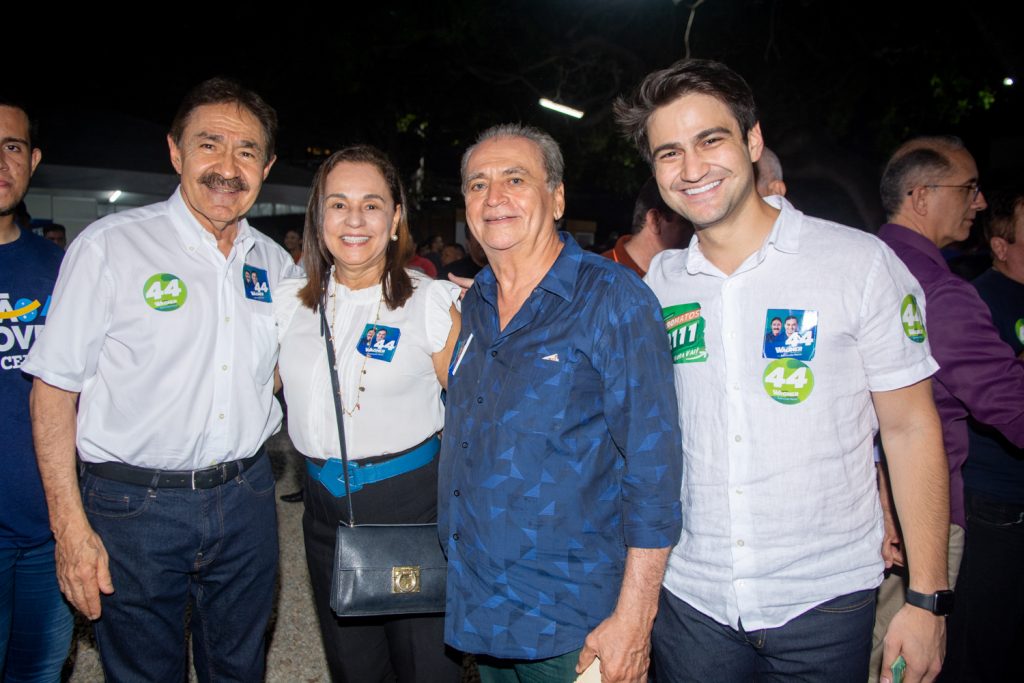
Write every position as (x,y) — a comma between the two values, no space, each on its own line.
(331,473)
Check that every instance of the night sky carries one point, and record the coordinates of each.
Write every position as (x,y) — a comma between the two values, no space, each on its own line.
(839,84)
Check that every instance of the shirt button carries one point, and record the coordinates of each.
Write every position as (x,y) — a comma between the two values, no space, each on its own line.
(739,492)
(738,438)
(224,367)
(494,354)
(227,318)
(479,399)
(456,493)
(464,444)
(736,386)
(455,536)
(221,416)
(740,543)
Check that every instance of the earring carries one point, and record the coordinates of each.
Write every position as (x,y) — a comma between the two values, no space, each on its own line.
(394,238)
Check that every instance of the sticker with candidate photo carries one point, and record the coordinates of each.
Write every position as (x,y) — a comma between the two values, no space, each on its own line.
(256,284)
(685,327)
(790,333)
(379,342)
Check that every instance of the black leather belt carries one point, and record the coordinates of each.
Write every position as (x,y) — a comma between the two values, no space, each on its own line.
(206,478)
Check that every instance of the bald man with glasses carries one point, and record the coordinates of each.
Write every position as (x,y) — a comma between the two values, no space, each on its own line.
(931,195)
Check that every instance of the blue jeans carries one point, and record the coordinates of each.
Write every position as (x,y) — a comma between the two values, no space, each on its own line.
(35,621)
(215,548)
(830,643)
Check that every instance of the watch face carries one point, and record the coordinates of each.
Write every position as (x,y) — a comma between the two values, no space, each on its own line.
(943,602)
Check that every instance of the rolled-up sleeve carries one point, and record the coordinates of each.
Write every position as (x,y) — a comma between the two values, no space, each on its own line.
(640,408)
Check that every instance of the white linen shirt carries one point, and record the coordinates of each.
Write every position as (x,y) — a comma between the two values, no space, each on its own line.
(401,405)
(780,502)
(176,389)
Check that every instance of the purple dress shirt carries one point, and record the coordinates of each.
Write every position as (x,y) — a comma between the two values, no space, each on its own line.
(978,373)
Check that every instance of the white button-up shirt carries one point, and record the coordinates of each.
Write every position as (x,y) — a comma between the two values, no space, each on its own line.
(780,503)
(170,347)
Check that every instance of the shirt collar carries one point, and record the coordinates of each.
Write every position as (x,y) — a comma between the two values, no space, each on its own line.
(784,237)
(893,232)
(193,234)
(560,279)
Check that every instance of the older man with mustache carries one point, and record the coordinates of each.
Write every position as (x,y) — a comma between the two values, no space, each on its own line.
(159,367)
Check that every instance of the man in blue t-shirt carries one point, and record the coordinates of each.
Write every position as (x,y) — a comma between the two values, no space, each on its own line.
(35,621)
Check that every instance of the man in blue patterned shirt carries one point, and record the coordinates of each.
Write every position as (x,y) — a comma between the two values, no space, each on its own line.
(558,493)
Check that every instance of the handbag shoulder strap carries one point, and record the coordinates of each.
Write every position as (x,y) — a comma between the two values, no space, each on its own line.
(325,330)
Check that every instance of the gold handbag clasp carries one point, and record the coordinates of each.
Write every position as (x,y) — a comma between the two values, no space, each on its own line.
(405,579)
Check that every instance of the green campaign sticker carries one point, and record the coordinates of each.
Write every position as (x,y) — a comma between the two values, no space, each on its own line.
(1019,329)
(788,381)
(165,292)
(913,321)
(685,328)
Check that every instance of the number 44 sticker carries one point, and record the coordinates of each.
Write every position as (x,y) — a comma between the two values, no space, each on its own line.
(165,292)
(788,381)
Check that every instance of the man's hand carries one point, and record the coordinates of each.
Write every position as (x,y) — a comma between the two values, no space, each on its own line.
(82,566)
(624,647)
(464,283)
(83,570)
(892,548)
(623,641)
(920,637)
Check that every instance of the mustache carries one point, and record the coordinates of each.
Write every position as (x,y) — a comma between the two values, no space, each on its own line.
(215,181)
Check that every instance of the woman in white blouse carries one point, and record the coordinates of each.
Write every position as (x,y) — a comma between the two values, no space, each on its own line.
(393,331)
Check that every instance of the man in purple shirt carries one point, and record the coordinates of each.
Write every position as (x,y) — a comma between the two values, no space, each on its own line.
(931,195)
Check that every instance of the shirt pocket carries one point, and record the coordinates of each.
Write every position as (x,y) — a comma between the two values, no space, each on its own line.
(535,394)
(264,345)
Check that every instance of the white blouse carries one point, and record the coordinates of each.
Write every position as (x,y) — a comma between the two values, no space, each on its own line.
(400,404)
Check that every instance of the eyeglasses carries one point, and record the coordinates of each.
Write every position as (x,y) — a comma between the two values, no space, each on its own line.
(973,189)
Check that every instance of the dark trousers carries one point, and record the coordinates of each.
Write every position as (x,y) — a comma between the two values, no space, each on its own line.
(406,649)
(986,629)
(830,643)
(215,547)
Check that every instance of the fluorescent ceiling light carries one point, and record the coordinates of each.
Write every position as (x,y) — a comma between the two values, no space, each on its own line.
(561,108)
(114,196)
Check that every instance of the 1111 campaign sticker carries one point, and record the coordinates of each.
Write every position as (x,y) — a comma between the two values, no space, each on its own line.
(685,327)
(788,381)
(165,292)
(913,321)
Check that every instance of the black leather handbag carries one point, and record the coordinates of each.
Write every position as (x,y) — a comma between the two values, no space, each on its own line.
(381,569)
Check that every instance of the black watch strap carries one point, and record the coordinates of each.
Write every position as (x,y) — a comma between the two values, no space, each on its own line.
(939,602)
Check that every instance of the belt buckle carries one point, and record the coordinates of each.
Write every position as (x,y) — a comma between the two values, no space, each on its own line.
(353,477)
(193,475)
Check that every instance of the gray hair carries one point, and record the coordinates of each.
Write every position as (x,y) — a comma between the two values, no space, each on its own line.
(550,152)
(916,162)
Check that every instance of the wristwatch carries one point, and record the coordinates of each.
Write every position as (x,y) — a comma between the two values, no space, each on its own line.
(939,602)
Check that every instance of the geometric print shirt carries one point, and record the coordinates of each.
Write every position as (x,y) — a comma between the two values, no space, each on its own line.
(561,450)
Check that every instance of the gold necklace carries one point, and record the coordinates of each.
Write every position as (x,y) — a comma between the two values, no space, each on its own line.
(362,371)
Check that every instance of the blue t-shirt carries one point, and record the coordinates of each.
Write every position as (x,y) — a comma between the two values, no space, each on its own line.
(28,270)
(561,450)
(995,467)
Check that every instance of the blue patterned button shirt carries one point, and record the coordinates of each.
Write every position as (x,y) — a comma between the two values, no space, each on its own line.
(561,449)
